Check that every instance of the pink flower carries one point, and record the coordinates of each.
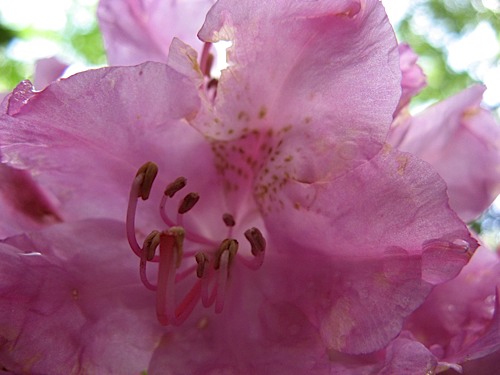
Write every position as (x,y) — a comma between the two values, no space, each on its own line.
(462,141)
(460,320)
(290,239)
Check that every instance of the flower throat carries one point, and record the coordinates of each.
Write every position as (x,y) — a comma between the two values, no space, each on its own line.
(208,269)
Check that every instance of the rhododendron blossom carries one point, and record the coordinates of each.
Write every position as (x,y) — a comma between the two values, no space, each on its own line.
(248,224)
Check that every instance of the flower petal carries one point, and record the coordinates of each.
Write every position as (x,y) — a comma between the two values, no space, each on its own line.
(72,288)
(458,319)
(405,356)
(413,79)
(99,127)
(380,232)
(313,65)
(456,136)
(23,209)
(48,70)
(136,31)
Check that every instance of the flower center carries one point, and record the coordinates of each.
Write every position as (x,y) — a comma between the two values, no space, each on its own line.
(208,269)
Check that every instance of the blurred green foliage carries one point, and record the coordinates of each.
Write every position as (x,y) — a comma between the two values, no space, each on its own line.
(453,18)
(78,44)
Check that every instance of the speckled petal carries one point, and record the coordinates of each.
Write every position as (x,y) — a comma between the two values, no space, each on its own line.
(318,66)
(380,232)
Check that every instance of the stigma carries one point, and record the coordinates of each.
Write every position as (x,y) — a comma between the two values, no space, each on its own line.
(184,256)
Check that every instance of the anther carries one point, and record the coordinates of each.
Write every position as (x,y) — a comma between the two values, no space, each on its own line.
(188,203)
(150,244)
(175,186)
(149,171)
(228,220)
(230,245)
(202,260)
(178,233)
(257,241)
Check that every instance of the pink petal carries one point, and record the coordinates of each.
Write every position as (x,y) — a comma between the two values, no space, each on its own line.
(380,232)
(47,71)
(456,136)
(23,209)
(100,126)
(413,79)
(458,318)
(405,356)
(76,306)
(21,94)
(136,31)
(316,66)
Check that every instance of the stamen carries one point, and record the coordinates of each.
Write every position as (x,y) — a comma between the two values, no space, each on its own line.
(149,170)
(165,297)
(175,186)
(257,241)
(212,267)
(228,245)
(147,254)
(225,260)
(258,247)
(228,220)
(202,260)
(141,187)
(188,203)
(150,244)
(179,234)
(171,243)
(206,59)
(206,274)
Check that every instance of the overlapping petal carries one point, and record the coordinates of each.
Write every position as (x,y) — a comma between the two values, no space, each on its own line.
(329,68)
(413,78)
(137,31)
(358,233)
(23,209)
(48,70)
(84,137)
(382,231)
(459,321)
(462,141)
(70,303)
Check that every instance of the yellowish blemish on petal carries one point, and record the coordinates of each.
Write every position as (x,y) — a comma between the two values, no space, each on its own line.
(471,112)
(75,294)
(386,149)
(262,112)
(338,325)
(243,116)
(202,323)
(402,163)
